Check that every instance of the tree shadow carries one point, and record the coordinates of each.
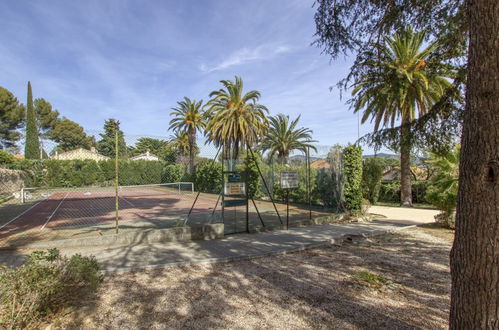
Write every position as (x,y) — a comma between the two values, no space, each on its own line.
(311,289)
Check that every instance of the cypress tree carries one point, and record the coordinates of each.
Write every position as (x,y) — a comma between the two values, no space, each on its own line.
(32,146)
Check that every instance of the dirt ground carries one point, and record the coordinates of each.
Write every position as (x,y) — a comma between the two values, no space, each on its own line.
(312,289)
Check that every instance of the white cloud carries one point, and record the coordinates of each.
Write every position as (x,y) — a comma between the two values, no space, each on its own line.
(245,55)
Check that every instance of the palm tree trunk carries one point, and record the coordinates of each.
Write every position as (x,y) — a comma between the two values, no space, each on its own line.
(405,165)
(192,143)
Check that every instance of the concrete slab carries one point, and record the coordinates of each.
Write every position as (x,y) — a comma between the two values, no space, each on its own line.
(242,246)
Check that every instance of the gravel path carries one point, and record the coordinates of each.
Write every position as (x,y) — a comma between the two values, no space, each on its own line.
(309,289)
(404,215)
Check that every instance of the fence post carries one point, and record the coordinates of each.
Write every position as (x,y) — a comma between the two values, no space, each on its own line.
(116,181)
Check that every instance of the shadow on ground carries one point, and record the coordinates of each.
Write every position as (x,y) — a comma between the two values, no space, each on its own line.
(310,289)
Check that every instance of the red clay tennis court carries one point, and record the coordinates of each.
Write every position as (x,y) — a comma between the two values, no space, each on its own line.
(51,209)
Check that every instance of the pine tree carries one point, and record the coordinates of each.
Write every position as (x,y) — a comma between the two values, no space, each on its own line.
(106,146)
(32,146)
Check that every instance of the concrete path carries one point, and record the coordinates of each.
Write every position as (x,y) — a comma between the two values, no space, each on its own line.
(235,247)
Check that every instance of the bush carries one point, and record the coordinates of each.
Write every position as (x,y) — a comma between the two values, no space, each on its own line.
(372,173)
(443,189)
(208,177)
(251,176)
(173,173)
(44,285)
(6,159)
(325,188)
(352,164)
(390,191)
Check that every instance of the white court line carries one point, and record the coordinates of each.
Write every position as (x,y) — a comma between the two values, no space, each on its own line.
(54,211)
(126,200)
(25,211)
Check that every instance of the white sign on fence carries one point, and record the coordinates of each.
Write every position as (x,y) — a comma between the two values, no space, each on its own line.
(235,188)
(289,179)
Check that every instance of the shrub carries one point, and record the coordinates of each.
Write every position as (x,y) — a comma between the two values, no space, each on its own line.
(390,191)
(44,285)
(6,158)
(251,175)
(173,173)
(352,165)
(324,188)
(372,173)
(442,192)
(208,177)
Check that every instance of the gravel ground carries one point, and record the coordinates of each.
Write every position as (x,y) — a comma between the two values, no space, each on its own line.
(309,289)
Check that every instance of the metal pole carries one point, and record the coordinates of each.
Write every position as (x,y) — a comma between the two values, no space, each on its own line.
(223,184)
(247,196)
(309,184)
(116,181)
(287,208)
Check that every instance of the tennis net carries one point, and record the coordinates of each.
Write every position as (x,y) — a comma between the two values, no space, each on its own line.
(29,194)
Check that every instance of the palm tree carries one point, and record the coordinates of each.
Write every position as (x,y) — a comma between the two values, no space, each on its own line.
(188,117)
(180,141)
(235,120)
(442,191)
(400,81)
(283,137)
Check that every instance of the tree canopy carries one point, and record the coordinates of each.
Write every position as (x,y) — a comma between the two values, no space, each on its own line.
(11,119)
(352,27)
(107,144)
(69,136)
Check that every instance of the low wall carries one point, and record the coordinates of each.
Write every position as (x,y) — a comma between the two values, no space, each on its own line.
(11,181)
(177,234)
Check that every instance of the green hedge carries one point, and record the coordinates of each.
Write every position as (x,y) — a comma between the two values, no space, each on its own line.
(352,165)
(208,176)
(79,173)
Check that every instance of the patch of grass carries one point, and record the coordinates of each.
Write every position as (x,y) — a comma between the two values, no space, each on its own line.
(369,279)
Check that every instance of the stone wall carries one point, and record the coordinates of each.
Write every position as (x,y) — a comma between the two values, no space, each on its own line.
(11,181)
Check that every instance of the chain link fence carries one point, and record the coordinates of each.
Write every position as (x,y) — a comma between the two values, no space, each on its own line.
(120,183)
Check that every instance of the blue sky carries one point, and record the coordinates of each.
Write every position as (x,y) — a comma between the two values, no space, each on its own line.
(132,60)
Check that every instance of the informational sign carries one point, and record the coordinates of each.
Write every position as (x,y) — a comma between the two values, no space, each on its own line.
(234,177)
(235,188)
(289,179)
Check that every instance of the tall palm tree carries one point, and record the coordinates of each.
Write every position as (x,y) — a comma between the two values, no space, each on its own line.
(283,137)
(235,119)
(188,117)
(400,81)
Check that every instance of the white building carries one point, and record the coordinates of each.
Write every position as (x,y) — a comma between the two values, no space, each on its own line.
(80,154)
(145,156)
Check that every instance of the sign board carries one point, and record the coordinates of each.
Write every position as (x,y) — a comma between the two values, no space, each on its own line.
(289,179)
(235,188)
(234,177)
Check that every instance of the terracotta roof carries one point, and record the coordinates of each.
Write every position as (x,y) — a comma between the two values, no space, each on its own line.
(320,163)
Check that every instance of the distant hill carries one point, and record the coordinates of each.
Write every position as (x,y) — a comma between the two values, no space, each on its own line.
(303,158)
(382,155)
